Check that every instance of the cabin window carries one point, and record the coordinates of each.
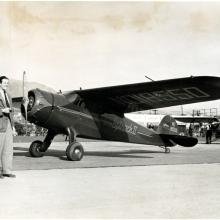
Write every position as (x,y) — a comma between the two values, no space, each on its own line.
(77,102)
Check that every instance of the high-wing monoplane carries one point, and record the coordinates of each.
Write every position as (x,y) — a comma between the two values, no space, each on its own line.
(99,113)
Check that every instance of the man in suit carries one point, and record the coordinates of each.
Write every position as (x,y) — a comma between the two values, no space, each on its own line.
(6,129)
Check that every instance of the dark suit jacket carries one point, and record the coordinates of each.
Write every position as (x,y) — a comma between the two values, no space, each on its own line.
(4,119)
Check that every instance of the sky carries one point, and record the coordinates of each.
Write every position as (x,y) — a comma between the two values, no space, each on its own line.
(68,45)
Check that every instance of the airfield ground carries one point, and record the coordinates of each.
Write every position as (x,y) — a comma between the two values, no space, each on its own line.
(114,180)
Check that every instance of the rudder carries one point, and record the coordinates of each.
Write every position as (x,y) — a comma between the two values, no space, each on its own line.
(168,126)
(169,132)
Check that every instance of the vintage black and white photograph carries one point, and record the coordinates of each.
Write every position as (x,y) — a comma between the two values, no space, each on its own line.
(110,109)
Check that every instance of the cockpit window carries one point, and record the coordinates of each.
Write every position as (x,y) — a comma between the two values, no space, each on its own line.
(80,103)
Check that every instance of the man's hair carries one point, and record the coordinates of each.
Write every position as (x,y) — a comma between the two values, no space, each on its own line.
(3,77)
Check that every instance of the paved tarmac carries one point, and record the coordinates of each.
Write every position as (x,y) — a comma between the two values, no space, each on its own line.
(114,180)
(114,154)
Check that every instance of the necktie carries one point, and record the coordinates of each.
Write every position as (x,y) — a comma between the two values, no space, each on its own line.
(6,100)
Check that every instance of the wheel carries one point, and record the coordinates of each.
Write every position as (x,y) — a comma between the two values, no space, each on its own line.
(34,149)
(167,150)
(74,151)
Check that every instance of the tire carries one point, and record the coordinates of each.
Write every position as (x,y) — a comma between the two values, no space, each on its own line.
(74,151)
(167,150)
(34,149)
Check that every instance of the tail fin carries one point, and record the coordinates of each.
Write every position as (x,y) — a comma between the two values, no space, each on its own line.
(168,126)
(168,130)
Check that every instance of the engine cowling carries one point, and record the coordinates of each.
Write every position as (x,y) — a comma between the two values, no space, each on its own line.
(41,104)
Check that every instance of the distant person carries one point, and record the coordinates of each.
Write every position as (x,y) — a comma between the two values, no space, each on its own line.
(6,129)
(201,131)
(190,130)
(209,135)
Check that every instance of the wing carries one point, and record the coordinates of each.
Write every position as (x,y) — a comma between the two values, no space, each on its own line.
(151,95)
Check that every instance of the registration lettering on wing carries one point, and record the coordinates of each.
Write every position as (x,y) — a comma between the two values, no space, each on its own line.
(183,94)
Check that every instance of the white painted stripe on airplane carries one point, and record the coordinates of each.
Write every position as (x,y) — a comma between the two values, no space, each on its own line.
(144,134)
(75,112)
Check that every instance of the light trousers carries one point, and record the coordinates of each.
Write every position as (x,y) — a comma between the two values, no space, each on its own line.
(6,150)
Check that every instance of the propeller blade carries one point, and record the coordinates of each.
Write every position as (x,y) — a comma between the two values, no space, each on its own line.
(25,98)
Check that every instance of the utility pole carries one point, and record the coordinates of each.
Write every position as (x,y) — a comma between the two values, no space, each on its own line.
(182,110)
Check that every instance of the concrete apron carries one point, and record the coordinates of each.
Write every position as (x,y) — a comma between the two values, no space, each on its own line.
(161,191)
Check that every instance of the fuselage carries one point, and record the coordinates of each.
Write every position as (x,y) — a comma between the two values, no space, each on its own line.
(105,126)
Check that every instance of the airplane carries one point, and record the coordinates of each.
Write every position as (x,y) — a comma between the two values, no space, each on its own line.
(99,113)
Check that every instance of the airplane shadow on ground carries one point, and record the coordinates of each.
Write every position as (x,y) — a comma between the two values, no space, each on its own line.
(62,155)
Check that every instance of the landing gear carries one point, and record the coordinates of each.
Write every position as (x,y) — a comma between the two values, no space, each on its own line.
(74,151)
(167,150)
(37,148)
(34,149)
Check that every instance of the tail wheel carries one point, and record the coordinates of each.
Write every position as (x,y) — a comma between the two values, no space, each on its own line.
(167,150)
(34,149)
(74,151)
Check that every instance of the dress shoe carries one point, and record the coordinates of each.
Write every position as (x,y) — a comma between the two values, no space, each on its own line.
(8,175)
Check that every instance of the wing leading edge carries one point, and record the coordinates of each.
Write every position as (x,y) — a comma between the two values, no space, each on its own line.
(157,94)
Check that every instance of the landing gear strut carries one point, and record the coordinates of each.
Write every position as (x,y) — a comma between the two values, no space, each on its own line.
(38,148)
(74,150)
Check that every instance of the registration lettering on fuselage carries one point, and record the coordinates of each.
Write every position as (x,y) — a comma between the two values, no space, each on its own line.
(121,126)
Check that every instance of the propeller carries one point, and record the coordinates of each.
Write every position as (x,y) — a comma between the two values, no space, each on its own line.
(25,98)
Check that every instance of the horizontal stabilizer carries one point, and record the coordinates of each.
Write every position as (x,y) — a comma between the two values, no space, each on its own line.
(184,141)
